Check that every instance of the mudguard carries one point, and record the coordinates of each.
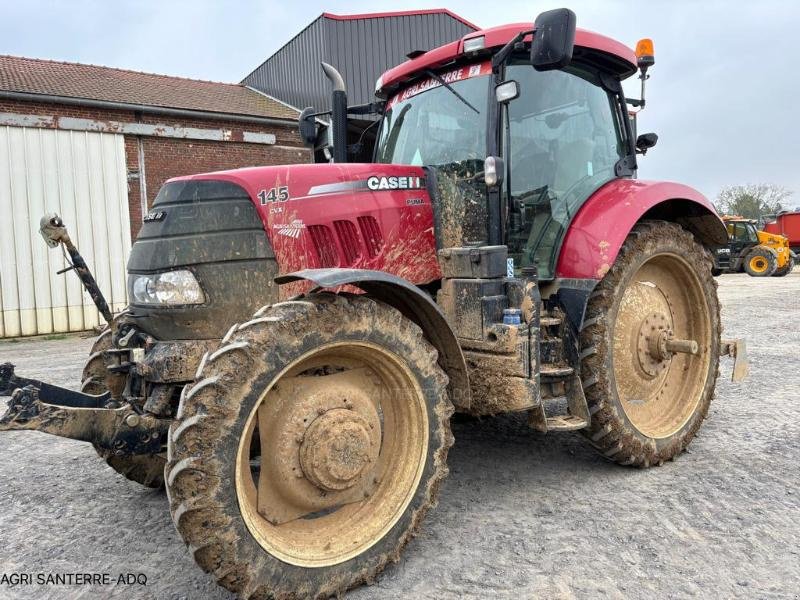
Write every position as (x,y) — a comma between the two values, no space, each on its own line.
(414,303)
(598,231)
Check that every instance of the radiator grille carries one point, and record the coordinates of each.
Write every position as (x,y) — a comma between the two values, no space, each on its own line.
(348,240)
(324,245)
(371,232)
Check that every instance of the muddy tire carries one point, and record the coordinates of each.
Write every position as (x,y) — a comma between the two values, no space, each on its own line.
(646,403)
(760,262)
(268,499)
(785,269)
(145,470)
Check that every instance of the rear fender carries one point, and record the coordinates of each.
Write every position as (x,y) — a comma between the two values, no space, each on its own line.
(598,231)
(414,304)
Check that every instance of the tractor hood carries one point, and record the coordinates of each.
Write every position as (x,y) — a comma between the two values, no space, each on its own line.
(349,215)
(235,231)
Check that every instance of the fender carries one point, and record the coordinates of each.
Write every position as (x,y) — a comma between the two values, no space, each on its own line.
(600,227)
(414,304)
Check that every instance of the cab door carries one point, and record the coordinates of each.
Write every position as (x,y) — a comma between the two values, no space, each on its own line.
(563,137)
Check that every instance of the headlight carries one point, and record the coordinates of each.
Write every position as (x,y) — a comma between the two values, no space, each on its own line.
(172,287)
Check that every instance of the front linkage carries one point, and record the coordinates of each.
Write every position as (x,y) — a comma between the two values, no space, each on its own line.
(120,428)
(52,409)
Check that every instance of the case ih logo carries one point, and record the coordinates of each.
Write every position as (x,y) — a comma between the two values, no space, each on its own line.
(291,230)
(395,183)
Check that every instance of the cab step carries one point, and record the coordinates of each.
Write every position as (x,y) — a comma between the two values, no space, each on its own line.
(566,412)
(555,371)
(550,321)
(565,423)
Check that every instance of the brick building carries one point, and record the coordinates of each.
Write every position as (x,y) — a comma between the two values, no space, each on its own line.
(171,126)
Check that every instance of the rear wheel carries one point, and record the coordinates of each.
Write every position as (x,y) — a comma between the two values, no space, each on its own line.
(650,347)
(147,470)
(760,262)
(310,447)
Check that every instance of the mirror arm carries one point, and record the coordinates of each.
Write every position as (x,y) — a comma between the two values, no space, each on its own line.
(370,108)
(504,52)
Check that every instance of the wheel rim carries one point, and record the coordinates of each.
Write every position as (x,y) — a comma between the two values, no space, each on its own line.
(662,316)
(758,264)
(332,454)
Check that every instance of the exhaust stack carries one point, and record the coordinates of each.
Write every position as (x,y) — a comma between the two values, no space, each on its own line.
(338,114)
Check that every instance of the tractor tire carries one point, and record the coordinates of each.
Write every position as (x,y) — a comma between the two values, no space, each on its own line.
(145,470)
(647,403)
(309,448)
(760,262)
(785,269)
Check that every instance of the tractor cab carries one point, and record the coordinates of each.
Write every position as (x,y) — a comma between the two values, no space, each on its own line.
(515,131)
(561,135)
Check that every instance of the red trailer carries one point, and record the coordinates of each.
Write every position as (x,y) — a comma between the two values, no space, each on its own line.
(786,224)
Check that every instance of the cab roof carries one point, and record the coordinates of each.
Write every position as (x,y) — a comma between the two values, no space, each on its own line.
(615,57)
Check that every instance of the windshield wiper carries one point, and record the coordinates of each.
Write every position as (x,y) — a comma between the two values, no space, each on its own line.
(441,80)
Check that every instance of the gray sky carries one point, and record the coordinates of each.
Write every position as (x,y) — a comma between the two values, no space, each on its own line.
(722,95)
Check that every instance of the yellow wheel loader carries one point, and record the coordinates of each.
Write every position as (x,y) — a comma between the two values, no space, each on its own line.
(758,253)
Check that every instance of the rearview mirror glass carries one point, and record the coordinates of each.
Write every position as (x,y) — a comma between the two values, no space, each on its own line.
(506,91)
(646,141)
(553,39)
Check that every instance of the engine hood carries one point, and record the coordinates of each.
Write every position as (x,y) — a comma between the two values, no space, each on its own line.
(348,215)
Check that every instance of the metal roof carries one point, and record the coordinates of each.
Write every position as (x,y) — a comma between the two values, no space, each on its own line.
(360,46)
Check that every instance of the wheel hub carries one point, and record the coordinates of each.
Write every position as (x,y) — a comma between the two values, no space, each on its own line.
(320,443)
(651,346)
(336,449)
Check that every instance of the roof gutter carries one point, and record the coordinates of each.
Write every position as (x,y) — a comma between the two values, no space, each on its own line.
(146,108)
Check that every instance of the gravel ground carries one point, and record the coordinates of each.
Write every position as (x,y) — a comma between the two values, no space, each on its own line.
(521,515)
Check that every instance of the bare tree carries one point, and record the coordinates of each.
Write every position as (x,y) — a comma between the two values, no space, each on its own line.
(753,200)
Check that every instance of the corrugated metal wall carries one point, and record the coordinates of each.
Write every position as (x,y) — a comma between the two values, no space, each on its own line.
(361,49)
(82,177)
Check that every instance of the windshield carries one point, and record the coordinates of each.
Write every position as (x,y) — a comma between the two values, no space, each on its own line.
(427,124)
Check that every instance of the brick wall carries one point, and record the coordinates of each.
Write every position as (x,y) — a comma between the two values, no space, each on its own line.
(171,157)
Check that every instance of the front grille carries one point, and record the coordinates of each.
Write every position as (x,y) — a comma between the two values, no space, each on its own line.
(348,240)
(371,232)
(324,245)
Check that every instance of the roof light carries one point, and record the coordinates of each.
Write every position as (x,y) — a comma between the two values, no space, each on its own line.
(645,54)
(474,44)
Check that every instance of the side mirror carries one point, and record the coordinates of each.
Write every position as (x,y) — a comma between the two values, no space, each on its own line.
(645,141)
(506,91)
(553,39)
(308,127)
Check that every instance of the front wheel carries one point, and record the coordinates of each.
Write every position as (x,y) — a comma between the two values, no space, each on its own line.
(309,448)
(650,346)
(145,469)
(760,262)
(785,269)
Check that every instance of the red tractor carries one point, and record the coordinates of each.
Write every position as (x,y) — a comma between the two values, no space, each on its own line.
(298,337)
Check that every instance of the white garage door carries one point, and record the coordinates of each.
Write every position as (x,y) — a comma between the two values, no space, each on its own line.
(82,177)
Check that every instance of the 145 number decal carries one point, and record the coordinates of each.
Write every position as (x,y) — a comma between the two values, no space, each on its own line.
(276,194)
